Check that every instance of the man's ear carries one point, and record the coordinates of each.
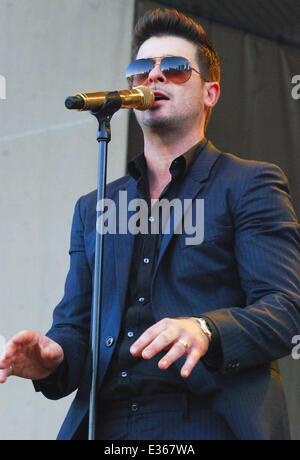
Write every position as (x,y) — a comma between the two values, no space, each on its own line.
(211,94)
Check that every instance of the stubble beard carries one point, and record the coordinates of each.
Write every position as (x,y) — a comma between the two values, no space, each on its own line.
(174,121)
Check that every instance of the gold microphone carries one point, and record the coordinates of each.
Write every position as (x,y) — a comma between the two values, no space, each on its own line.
(140,98)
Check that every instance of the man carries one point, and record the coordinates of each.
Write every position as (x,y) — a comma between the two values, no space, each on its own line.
(190,332)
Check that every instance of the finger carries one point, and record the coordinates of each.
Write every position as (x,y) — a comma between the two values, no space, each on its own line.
(191,361)
(161,342)
(147,337)
(50,354)
(4,374)
(176,352)
(9,352)
(23,338)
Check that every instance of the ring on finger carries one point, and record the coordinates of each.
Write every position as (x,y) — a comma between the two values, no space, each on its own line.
(184,343)
(11,371)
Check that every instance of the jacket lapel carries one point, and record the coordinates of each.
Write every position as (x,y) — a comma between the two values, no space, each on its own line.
(191,188)
(124,243)
(193,185)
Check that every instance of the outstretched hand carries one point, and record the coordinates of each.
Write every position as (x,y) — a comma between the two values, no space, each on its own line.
(30,355)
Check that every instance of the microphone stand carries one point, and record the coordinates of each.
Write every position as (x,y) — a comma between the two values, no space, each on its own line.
(112,104)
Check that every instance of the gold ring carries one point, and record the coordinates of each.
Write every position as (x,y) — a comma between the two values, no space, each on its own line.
(184,343)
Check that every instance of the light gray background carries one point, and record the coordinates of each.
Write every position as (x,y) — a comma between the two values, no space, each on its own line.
(48,51)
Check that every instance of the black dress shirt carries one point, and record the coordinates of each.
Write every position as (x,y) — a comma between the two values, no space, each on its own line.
(130,376)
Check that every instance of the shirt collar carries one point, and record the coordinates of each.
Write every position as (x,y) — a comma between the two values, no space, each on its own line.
(137,167)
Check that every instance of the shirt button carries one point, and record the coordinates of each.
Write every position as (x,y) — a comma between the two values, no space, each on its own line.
(134,407)
(130,334)
(146,261)
(141,299)
(109,341)
(123,374)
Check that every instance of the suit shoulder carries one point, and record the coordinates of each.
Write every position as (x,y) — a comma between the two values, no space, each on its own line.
(241,169)
(235,161)
(234,176)
(90,199)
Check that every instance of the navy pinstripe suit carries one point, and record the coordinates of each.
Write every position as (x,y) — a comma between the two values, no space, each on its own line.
(244,276)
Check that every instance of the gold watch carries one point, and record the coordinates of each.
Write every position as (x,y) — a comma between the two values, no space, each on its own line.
(204,327)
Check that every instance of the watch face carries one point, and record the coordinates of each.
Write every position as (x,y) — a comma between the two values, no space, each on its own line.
(205,328)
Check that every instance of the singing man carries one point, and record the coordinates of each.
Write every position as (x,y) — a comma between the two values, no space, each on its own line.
(191,333)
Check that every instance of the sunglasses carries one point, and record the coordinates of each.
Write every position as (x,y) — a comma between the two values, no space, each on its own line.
(176,69)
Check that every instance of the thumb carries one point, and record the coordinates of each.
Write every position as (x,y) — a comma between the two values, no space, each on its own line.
(51,353)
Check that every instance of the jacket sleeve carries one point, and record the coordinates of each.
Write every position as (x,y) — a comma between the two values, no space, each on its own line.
(71,319)
(267,251)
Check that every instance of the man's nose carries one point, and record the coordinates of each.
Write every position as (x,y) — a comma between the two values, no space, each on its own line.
(156,75)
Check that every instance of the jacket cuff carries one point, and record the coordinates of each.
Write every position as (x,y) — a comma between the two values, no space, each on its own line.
(213,358)
(56,381)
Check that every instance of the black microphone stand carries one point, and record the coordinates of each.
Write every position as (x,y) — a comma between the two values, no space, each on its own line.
(112,104)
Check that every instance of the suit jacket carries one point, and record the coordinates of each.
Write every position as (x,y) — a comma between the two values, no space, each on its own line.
(244,276)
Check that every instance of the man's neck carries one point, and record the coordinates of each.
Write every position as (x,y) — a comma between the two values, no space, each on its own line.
(160,153)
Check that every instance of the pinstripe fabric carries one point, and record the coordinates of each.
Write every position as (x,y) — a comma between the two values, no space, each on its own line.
(244,277)
(165,417)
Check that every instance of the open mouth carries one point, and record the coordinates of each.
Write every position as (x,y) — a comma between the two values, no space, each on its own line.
(161,97)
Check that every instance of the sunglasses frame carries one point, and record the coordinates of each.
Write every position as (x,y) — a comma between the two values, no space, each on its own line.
(158,60)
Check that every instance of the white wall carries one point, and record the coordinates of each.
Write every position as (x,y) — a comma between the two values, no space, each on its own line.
(48,155)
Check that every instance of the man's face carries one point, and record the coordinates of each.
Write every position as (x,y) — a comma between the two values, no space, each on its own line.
(185,104)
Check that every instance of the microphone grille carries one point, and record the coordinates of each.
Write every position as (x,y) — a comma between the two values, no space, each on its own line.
(149,97)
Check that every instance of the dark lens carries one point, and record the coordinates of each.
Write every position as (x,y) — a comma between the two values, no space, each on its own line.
(176,69)
(137,72)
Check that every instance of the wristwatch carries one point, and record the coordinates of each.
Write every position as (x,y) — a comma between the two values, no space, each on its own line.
(204,326)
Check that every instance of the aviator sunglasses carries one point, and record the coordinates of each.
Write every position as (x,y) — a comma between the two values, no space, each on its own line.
(176,69)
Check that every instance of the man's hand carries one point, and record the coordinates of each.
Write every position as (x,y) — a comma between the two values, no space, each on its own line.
(31,355)
(165,335)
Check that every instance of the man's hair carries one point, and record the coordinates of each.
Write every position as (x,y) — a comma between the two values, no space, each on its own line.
(170,22)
